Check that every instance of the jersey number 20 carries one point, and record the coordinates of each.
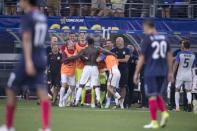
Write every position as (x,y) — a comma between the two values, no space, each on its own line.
(160,49)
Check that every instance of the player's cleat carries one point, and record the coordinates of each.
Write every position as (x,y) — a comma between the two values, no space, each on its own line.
(4,128)
(152,125)
(178,110)
(107,106)
(189,109)
(164,119)
(93,106)
(61,105)
(195,106)
(44,129)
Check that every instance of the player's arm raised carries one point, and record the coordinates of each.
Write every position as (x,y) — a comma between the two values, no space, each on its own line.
(72,58)
(29,66)
(106,51)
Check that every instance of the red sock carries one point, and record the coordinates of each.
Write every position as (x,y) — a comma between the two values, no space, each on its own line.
(45,110)
(10,110)
(161,104)
(153,109)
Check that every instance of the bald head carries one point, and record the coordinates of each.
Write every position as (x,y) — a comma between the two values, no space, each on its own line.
(54,41)
(119,42)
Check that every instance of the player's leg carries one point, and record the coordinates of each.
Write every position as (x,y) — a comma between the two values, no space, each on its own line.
(151,92)
(71,89)
(84,79)
(64,81)
(177,94)
(108,100)
(160,102)
(188,87)
(45,108)
(95,83)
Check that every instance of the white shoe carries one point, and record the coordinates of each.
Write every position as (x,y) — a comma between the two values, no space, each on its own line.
(93,106)
(44,130)
(60,105)
(107,106)
(4,128)
(152,125)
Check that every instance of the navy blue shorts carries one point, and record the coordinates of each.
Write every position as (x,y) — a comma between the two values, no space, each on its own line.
(19,78)
(154,85)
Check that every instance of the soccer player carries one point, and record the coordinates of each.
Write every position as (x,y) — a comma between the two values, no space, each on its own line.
(114,76)
(55,61)
(184,62)
(156,54)
(82,44)
(67,74)
(31,68)
(123,55)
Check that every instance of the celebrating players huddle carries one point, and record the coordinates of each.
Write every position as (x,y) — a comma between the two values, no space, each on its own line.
(82,65)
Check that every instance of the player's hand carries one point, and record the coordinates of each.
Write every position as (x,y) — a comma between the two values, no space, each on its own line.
(30,69)
(136,78)
(171,77)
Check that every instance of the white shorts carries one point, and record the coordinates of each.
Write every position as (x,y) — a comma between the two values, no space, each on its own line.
(187,84)
(69,80)
(114,77)
(90,74)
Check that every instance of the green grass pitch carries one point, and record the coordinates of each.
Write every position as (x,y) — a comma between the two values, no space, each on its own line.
(85,119)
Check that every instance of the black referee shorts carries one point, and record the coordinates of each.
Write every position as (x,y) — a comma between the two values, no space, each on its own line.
(124,78)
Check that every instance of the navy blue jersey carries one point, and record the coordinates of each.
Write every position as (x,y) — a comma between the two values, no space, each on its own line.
(155,49)
(36,24)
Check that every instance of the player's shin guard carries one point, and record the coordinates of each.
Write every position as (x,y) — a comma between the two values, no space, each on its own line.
(83,95)
(92,96)
(161,104)
(45,110)
(62,91)
(10,110)
(177,98)
(103,94)
(189,97)
(98,94)
(78,95)
(153,109)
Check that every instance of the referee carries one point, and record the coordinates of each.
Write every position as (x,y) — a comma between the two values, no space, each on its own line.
(123,55)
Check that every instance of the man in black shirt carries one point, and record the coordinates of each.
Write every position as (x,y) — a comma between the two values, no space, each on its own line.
(54,59)
(123,55)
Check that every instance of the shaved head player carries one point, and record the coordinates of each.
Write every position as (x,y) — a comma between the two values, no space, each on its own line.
(31,67)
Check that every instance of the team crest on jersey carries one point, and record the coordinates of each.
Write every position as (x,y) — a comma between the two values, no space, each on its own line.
(58,58)
(124,53)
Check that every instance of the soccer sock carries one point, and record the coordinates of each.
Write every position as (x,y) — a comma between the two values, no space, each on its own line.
(98,94)
(62,91)
(177,97)
(153,109)
(78,95)
(117,95)
(10,110)
(102,96)
(67,94)
(92,96)
(108,100)
(161,104)
(83,95)
(189,97)
(116,101)
(45,109)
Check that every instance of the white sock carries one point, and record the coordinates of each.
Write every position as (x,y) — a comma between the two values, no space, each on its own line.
(108,100)
(98,93)
(116,101)
(73,95)
(177,98)
(117,95)
(67,94)
(122,103)
(78,95)
(62,91)
(189,97)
